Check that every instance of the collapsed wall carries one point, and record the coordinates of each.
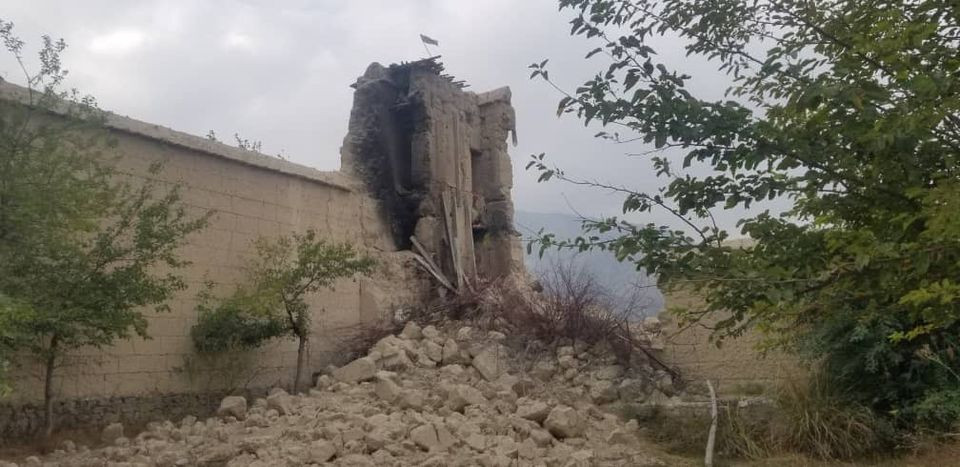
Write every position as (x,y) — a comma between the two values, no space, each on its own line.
(436,158)
(422,159)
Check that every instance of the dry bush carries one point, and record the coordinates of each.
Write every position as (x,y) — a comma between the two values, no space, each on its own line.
(572,307)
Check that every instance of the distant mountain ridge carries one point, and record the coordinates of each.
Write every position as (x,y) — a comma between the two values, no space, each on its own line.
(621,280)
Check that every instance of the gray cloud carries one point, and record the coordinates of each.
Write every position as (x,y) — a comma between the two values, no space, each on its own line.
(279,72)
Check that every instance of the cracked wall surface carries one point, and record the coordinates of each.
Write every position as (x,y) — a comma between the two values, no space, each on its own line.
(436,157)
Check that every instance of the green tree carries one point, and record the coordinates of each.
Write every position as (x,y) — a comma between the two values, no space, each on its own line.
(846,111)
(273,301)
(84,249)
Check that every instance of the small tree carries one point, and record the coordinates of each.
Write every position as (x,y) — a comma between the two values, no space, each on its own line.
(82,252)
(273,302)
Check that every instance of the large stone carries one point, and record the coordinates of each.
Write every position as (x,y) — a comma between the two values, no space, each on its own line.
(389,346)
(411,331)
(425,436)
(430,332)
(565,422)
(491,362)
(603,392)
(411,399)
(528,449)
(451,352)
(433,350)
(543,370)
(543,438)
(322,451)
(111,432)
(386,389)
(231,406)
(281,402)
(397,362)
(532,409)
(361,369)
(460,396)
(445,439)
(464,333)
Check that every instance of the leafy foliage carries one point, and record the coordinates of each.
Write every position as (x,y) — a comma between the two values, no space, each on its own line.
(273,302)
(80,247)
(847,110)
(240,322)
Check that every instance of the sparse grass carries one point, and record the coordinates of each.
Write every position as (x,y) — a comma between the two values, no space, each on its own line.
(810,419)
(824,424)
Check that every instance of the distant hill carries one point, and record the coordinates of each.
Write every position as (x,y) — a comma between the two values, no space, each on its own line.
(621,280)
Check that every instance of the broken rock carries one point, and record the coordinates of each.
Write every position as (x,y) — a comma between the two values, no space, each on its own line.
(532,409)
(451,352)
(280,401)
(425,436)
(491,362)
(231,406)
(460,396)
(386,389)
(361,369)
(564,422)
(411,331)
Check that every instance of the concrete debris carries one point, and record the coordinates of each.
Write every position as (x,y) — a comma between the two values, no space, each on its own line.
(361,369)
(564,422)
(494,412)
(233,406)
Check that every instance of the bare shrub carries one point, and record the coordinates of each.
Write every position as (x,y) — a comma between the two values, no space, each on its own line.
(572,306)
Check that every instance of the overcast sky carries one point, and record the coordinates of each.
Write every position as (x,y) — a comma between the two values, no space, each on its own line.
(279,71)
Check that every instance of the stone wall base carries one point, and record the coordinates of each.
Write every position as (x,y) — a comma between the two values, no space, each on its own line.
(20,421)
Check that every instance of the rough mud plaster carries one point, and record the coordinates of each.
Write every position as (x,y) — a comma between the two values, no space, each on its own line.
(252,195)
(436,156)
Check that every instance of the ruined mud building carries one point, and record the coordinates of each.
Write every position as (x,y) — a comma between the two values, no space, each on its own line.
(436,159)
(425,189)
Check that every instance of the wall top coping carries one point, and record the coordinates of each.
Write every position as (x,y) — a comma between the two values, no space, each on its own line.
(15,93)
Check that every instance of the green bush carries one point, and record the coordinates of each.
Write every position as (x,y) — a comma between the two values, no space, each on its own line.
(228,328)
(238,322)
(939,410)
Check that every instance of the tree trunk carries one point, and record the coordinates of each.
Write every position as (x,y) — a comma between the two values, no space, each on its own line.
(50,365)
(301,362)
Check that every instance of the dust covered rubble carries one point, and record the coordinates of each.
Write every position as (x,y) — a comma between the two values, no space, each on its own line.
(422,397)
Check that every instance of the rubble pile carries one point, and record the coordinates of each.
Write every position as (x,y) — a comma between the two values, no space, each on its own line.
(451,397)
